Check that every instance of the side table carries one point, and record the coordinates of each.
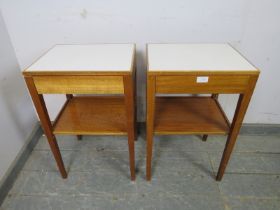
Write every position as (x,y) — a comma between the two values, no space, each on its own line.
(106,73)
(196,69)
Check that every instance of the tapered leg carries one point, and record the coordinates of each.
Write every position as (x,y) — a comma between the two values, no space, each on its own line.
(69,96)
(215,95)
(129,105)
(205,136)
(40,106)
(240,111)
(150,124)
(135,100)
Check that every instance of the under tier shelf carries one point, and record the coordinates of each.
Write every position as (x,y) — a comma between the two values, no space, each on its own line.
(189,115)
(91,115)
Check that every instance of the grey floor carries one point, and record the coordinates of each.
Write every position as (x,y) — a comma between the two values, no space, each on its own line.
(183,175)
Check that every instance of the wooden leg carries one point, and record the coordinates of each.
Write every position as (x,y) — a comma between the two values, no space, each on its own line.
(150,123)
(215,96)
(240,111)
(69,96)
(129,105)
(135,100)
(40,106)
(205,136)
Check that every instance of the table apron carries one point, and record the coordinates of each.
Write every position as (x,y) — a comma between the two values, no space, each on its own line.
(79,84)
(208,84)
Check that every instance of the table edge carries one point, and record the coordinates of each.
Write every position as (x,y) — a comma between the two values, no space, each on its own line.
(26,72)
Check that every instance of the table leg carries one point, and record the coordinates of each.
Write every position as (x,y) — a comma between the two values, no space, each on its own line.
(150,123)
(129,105)
(135,99)
(215,96)
(40,106)
(240,112)
(69,96)
(204,137)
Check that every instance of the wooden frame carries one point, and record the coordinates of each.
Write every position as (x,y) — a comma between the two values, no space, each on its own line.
(123,106)
(240,82)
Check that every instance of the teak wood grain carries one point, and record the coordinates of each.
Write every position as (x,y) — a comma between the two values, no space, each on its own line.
(40,106)
(151,90)
(79,84)
(92,115)
(215,84)
(189,115)
(68,97)
(135,98)
(130,120)
(215,96)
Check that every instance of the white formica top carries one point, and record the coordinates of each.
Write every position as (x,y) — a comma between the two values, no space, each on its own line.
(93,57)
(196,57)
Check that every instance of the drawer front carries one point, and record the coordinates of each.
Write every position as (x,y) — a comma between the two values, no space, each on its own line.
(202,84)
(79,84)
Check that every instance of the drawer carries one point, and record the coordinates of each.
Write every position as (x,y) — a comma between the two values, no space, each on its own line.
(202,84)
(79,84)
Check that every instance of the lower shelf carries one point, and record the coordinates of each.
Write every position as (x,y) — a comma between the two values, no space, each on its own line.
(84,115)
(189,115)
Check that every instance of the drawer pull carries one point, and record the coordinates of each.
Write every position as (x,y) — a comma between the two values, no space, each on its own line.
(202,79)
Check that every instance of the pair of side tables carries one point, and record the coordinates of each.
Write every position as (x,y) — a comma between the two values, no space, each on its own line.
(108,73)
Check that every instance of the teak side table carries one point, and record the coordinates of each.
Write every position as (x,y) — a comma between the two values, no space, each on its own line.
(196,69)
(107,69)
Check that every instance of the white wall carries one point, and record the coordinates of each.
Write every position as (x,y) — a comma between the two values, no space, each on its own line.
(260,42)
(36,25)
(17,118)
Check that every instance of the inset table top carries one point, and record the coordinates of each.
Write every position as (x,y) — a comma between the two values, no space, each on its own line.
(92,57)
(195,57)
